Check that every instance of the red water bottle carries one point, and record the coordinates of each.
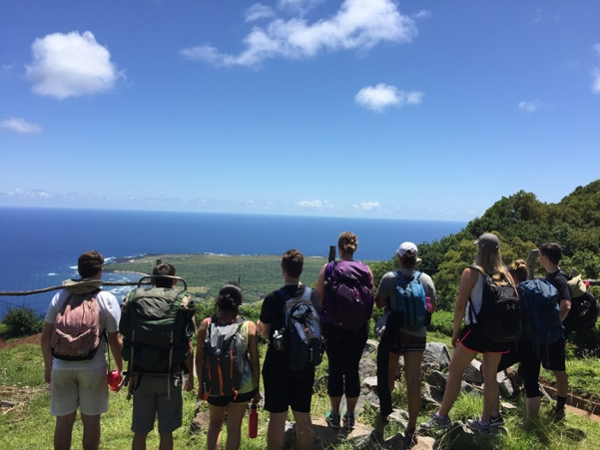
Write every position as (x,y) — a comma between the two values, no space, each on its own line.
(253,422)
(113,379)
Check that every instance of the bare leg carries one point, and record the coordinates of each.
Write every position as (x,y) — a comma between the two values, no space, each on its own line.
(335,404)
(532,406)
(166,441)
(412,373)
(63,431)
(304,431)
(235,415)
(91,432)
(213,438)
(490,389)
(562,383)
(139,442)
(275,431)
(394,362)
(461,358)
(351,405)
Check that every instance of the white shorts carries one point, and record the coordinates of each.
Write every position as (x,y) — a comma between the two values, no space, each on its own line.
(83,389)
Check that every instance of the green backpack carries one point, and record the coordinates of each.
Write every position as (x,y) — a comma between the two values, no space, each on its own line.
(153,322)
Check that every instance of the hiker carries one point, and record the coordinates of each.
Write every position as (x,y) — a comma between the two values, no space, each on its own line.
(403,336)
(549,257)
(77,368)
(285,387)
(159,352)
(471,340)
(344,326)
(231,332)
(530,351)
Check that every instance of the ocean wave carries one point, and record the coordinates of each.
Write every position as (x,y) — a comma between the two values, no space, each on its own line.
(52,274)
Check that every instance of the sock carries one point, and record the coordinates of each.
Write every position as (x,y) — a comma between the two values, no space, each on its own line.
(560,402)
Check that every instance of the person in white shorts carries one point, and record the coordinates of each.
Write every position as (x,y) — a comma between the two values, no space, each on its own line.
(82,384)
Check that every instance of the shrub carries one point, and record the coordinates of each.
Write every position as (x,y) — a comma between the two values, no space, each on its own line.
(22,321)
(442,322)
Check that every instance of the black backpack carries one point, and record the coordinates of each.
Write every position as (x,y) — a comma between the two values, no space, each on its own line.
(223,365)
(583,314)
(499,318)
(302,331)
(152,324)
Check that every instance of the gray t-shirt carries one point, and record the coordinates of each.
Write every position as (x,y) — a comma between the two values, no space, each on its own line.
(387,290)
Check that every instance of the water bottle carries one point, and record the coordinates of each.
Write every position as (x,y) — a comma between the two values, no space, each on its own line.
(428,311)
(113,379)
(253,422)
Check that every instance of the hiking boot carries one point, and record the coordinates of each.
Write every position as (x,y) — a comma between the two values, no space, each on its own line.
(478,426)
(497,421)
(437,422)
(348,421)
(332,419)
(558,415)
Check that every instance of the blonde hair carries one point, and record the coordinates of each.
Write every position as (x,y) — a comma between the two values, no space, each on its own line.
(489,259)
(518,270)
(348,242)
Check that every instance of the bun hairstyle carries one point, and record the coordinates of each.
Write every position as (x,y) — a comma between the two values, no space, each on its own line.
(348,242)
(230,297)
(518,270)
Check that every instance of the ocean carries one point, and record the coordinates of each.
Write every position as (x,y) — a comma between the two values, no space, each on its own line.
(39,247)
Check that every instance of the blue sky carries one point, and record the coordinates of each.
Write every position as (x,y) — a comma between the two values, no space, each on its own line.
(356,108)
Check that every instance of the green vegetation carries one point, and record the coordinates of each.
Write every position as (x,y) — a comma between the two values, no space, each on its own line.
(21,321)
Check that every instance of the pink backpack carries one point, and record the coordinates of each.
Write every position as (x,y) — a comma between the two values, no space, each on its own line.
(77,334)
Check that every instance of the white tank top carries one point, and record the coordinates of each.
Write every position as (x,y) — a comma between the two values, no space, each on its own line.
(476,297)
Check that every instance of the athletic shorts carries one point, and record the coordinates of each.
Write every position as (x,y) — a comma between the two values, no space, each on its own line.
(285,389)
(553,358)
(86,389)
(472,339)
(409,343)
(151,400)
(224,400)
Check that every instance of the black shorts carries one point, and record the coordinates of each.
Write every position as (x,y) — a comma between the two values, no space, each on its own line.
(473,339)
(553,355)
(224,400)
(284,388)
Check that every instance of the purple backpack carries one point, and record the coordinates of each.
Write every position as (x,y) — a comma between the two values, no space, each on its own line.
(348,299)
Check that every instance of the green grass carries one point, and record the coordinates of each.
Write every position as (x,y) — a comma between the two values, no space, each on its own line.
(205,274)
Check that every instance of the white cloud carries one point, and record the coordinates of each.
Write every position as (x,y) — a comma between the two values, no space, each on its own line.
(367,206)
(380,96)
(423,14)
(19,125)
(533,106)
(259,11)
(20,193)
(314,204)
(359,24)
(70,65)
(596,81)
(538,17)
(596,48)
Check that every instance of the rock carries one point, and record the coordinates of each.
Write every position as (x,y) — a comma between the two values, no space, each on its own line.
(370,347)
(320,384)
(472,373)
(367,368)
(507,405)
(435,357)
(326,436)
(504,384)
(399,416)
(200,422)
(369,384)
(424,443)
(439,380)
(432,395)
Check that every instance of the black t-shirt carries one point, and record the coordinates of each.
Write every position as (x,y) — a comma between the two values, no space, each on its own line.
(272,312)
(559,279)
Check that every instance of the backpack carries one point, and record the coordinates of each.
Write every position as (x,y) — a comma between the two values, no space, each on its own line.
(223,366)
(348,301)
(302,331)
(76,335)
(499,318)
(542,323)
(584,308)
(411,301)
(153,321)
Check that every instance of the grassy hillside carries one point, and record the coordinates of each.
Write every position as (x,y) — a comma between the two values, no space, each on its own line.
(205,274)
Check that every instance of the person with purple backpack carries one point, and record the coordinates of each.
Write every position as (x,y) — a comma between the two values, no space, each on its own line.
(346,287)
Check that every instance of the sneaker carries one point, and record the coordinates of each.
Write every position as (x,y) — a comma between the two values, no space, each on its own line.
(332,419)
(558,415)
(478,426)
(437,422)
(497,421)
(348,421)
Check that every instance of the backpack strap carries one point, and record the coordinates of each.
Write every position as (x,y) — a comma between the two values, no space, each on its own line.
(286,296)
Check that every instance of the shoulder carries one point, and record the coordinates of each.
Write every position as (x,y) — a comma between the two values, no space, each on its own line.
(390,276)
(425,279)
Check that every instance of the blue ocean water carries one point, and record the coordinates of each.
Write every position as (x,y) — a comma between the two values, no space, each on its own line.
(39,247)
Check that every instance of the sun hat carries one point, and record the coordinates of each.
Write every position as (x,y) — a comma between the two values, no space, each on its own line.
(408,247)
(488,240)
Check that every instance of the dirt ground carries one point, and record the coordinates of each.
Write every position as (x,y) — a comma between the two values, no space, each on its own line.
(35,339)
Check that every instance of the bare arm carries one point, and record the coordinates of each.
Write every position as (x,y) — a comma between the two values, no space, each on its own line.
(468,280)
(264,328)
(321,282)
(200,355)
(46,352)
(565,307)
(189,363)
(254,361)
